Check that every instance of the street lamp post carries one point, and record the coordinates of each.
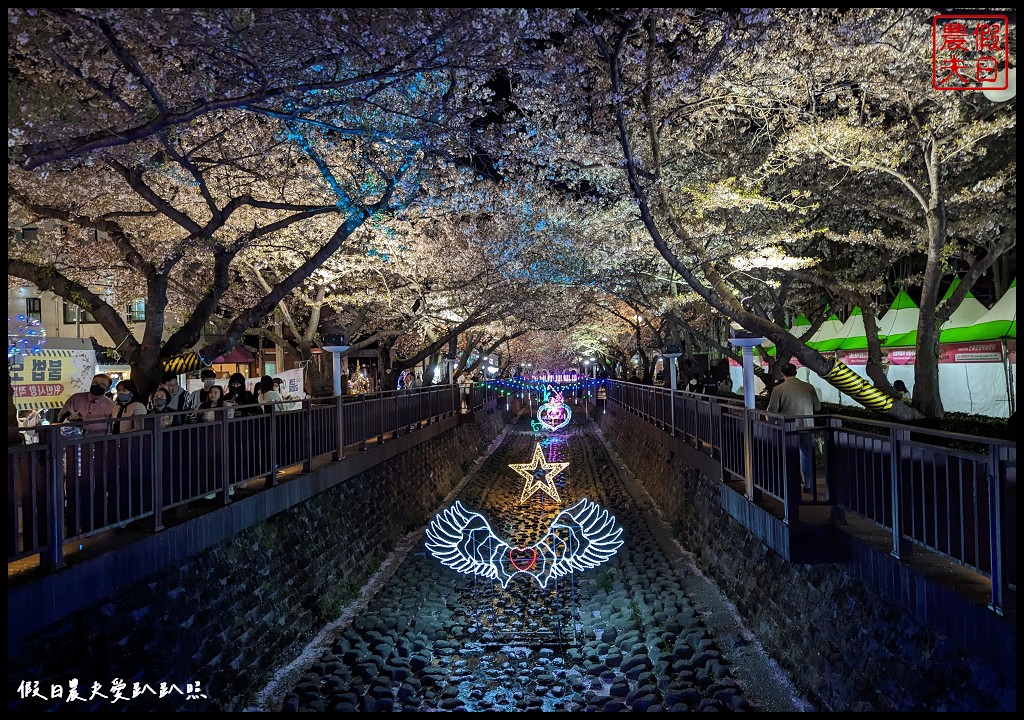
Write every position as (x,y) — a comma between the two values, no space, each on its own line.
(338,345)
(671,353)
(747,341)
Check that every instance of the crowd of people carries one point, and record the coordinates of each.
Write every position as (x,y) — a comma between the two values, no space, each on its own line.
(108,480)
(106,408)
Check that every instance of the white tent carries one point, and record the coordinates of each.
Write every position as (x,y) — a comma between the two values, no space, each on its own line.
(829,330)
(899,319)
(966,314)
(999,323)
(853,327)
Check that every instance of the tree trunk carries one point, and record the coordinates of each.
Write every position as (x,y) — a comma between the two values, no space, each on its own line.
(926,397)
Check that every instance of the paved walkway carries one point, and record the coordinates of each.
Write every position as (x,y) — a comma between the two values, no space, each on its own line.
(645,631)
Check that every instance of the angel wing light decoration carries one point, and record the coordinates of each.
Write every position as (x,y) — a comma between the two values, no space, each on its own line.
(580,537)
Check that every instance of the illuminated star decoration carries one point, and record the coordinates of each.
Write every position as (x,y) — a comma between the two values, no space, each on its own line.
(580,537)
(540,475)
(554,413)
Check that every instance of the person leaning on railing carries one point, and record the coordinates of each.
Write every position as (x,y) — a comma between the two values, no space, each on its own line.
(93,405)
(244,401)
(207,410)
(160,404)
(128,408)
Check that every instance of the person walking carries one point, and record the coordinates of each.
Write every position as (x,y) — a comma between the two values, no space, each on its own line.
(85,463)
(797,399)
(127,471)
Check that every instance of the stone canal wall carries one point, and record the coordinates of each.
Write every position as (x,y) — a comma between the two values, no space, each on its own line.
(227,617)
(829,627)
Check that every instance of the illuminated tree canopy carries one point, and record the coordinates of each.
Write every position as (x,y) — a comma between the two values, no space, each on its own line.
(547,183)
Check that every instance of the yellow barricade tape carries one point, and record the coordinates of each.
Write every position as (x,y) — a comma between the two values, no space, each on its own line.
(185,363)
(850,383)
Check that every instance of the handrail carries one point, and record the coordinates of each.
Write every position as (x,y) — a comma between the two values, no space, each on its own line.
(914,482)
(103,481)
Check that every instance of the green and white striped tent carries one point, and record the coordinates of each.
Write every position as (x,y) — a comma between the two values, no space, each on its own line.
(999,323)
(899,319)
(966,314)
(853,327)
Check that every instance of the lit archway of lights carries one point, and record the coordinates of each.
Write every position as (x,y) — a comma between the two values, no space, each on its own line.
(580,537)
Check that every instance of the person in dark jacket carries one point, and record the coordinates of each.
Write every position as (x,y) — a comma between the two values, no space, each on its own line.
(243,400)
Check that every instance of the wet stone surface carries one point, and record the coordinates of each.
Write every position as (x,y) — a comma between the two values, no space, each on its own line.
(623,636)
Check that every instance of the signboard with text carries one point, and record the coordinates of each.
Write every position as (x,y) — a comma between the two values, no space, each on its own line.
(969,352)
(46,379)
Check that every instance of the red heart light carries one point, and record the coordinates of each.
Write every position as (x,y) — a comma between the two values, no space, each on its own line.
(522,558)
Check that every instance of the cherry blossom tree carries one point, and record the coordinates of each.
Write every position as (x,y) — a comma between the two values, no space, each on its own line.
(162,145)
(676,102)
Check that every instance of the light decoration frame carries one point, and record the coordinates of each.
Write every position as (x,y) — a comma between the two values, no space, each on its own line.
(25,336)
(579,538)
(554,414)
(538,464)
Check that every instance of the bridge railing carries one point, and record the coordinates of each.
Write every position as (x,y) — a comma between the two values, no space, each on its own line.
(70,486)
(952,494)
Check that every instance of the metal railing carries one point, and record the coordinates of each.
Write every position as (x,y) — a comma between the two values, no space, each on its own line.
(93,483)
(952,494)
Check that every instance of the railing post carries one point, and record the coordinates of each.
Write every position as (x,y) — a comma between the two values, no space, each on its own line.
(398,415)
(225,471)
(339,414)
(272,477)
(833,479)
(307,407)
(748,453)
(380,411)
(996,477)
(157,521)
(900,545)
(53,557)
(791,482)
(366,415)
(672,409)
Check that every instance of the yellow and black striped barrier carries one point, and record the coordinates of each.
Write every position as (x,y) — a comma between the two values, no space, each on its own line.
(850,383)
(185,363)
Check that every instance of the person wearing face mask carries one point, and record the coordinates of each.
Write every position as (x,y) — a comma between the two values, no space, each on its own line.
(124,483)
(243,400)
(160,404)
(84,464)
(91,405)
(128,409)
(198,397)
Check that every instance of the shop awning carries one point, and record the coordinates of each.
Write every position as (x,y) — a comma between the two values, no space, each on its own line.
(238,355)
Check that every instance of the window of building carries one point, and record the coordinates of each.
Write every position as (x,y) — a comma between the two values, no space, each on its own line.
(74,315)
(137,311)
(34,309)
